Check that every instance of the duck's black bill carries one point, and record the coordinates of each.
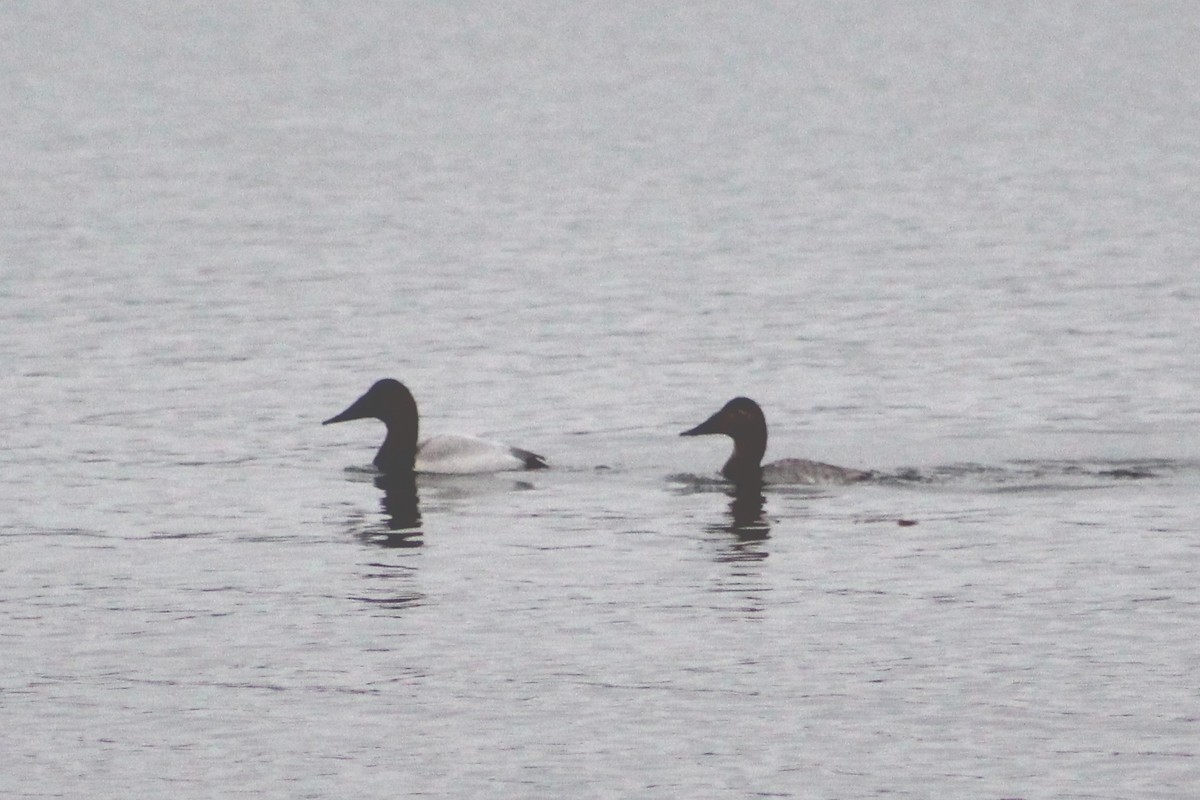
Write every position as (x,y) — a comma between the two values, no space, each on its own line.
(357,410)
(709,425)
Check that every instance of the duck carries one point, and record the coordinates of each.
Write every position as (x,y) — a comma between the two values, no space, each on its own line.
(390,401)
(743,420)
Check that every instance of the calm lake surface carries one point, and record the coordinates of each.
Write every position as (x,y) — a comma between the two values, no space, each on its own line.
(953,243)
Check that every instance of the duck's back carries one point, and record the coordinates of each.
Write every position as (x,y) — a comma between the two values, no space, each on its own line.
(803,471)
(465,455)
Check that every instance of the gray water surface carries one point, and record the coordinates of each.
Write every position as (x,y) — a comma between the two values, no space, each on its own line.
(953,244)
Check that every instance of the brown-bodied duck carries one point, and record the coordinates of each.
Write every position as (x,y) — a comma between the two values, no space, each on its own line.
(742,420)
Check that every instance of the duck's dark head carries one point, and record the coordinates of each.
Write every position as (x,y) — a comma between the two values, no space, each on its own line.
(742,420)
(739,418)
(391,402)
(388,400)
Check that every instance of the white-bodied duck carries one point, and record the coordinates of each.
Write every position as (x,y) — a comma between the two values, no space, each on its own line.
(742,420)
(391,402)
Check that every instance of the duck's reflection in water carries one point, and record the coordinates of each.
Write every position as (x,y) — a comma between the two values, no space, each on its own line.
(740,541)
(390,581)
(748,524)
(402,513)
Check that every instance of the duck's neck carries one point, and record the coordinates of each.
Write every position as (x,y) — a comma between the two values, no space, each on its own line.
(399,450)
(745,465)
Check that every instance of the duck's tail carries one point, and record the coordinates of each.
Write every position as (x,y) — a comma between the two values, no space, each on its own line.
(532,460)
